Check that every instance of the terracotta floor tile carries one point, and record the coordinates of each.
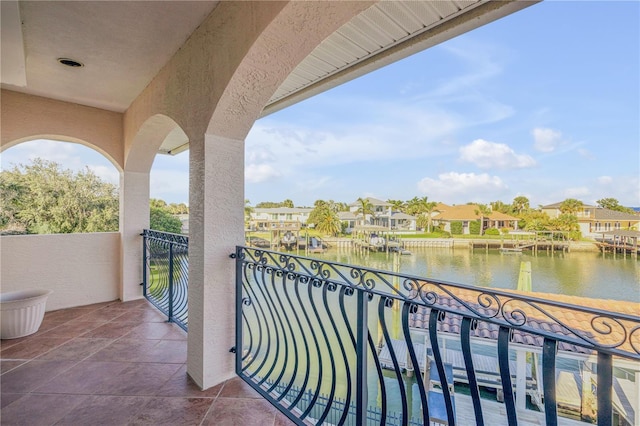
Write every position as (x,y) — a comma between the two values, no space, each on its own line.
(139,316)
(6,366)
(109,330)
(141,303)
(77,349)
(180,384)
(157,330)
(125,349)
(38,409)
(101,315)
(44,327)
(66,314)
(137,379)
(173,411)
(34,347)
(104,410)
(33,374)
(237,388)
(83,378)
(238,411)
(282,420)
(170,351)
(73,328)
(8,398)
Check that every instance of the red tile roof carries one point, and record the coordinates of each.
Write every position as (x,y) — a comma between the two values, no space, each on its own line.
(567,319)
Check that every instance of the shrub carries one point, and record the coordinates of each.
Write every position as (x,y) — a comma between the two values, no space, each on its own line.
(456,227)
(492,231)
(474,228)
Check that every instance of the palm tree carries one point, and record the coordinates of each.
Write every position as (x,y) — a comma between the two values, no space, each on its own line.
(415,206)
(520,204)
(483,211)
(327,222)
(570,206)
(397,205)
(247,211)
(429,208)
(366,207)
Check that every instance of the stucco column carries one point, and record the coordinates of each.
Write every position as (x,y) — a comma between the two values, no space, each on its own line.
(134,217)
(216,226)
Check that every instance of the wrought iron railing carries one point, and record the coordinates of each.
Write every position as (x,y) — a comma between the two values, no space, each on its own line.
(165,273)
(328,343)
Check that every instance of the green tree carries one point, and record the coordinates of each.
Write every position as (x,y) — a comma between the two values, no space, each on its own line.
(287,203)
(397,205)
(520,204)
(534,220)
(43,198)
(248,210)
(415,206)
(499,206)
(325,219)
(613,204)
(570,206)
(365,208)
(181,208)
(426,215)
(483,211)
(161,218)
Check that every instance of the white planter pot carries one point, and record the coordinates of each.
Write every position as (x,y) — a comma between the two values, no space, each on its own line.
(22,312)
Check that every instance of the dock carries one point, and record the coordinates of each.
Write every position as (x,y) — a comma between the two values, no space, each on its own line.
(620,241)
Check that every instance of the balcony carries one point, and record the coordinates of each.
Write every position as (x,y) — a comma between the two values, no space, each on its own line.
(329,343)
(112,364)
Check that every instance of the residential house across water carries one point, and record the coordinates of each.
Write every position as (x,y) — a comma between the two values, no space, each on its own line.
(468,213)
(594,220)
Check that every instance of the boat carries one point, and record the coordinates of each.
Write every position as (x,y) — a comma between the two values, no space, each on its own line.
(289,240)
(514,250)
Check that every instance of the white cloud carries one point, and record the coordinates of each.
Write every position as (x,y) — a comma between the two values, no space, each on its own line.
(577,192)
(108,174)
(546,140)
(256,173)
(492,155)
(400,132)
(605,180)
(454,187)
(169,185)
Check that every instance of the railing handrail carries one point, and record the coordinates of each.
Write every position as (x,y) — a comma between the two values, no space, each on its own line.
(166,289)
(516,318)
(179,239)
(316,312)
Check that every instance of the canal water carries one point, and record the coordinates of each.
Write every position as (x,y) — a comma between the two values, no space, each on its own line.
(586,274)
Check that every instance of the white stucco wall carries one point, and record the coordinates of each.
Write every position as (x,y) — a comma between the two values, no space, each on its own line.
(81,269)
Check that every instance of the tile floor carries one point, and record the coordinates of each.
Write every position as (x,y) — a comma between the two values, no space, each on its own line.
(116,364)
(121,364)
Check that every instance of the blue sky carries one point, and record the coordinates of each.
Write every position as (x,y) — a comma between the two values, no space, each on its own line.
(544,103)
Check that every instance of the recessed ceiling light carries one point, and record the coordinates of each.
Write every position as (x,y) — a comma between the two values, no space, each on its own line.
(70,63)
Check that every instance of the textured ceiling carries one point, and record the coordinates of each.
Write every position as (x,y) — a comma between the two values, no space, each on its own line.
(123,45)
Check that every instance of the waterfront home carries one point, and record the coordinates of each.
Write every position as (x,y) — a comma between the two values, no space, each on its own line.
(382,215)
(264,219)
(468,213)
(593,220)
(350,219)
(381,212)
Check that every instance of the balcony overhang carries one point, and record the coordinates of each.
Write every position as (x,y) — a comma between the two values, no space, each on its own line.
(123,46)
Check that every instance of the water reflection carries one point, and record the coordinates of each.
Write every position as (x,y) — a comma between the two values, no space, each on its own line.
(588,274)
